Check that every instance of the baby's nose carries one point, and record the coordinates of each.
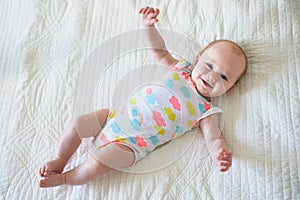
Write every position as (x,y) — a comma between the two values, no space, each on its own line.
(213,77)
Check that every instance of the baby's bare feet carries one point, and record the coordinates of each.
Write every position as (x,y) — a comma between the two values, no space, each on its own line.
(52,180)
(54,166)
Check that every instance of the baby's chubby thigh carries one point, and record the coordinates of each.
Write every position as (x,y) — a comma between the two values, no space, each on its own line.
(89,125)
(115,156)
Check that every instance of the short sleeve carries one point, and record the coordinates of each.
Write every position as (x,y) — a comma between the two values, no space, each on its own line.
(208,108)
(182,63)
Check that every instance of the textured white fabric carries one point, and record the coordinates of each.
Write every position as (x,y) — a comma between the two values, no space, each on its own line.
(46,79)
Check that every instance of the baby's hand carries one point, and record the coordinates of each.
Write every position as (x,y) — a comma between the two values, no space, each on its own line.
(149,16)
(223,159)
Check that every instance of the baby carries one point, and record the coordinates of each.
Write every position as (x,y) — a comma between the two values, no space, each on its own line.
(154,114)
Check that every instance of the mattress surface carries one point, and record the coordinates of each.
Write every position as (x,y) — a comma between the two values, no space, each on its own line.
(60,59)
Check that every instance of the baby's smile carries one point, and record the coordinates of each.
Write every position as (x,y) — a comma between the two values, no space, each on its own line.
(206,83)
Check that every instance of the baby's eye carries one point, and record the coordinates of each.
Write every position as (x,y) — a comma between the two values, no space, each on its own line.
(224,77)
(209,65)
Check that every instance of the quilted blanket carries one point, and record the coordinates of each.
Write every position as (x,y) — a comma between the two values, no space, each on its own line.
(60,59)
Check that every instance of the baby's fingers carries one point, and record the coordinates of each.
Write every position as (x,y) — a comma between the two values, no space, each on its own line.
(224,153)
(224,166)
(149,10)
(225,158)
(143,10)
(227,154)
(146,11)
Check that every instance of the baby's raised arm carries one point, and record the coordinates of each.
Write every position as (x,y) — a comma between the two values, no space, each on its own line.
(154,39)
(215,142)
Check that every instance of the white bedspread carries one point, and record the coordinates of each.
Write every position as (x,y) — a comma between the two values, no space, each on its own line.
(62,58)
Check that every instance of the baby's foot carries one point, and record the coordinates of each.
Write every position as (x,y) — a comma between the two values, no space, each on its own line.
(54,166)
(52,180)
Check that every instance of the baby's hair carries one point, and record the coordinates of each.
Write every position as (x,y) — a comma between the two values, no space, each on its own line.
(235,48)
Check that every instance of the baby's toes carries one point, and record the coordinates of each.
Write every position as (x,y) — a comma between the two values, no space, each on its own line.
(43,183)
(42,171)
(45,171)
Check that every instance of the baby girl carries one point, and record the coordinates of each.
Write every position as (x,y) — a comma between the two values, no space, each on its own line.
(154,114)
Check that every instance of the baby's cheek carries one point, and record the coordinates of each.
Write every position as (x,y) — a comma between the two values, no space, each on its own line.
(196,70)
(219,89)
(225,88)
(194,73)
(194,76)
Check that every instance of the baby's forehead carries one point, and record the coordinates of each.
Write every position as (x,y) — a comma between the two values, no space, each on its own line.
(226,45)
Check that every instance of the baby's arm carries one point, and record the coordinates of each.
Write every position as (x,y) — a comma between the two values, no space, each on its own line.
(154,39)
(215,142)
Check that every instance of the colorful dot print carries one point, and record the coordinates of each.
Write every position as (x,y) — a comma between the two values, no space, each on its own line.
(156,113)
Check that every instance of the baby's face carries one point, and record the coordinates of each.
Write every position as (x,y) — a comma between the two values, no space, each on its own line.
(217,69)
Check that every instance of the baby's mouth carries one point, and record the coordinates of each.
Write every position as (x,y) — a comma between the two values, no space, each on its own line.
(206,84)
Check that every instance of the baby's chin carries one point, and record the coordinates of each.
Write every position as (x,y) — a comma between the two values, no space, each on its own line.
(203,93)
(208,94)
(201,89)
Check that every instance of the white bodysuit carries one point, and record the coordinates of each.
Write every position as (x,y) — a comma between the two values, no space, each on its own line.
(156,113)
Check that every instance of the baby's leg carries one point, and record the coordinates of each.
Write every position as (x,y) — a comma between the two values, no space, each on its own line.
(81,127)
(113,156)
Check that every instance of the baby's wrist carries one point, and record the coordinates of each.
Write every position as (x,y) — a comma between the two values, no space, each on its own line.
(149,26)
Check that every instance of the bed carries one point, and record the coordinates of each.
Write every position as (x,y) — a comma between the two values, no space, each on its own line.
(60,59)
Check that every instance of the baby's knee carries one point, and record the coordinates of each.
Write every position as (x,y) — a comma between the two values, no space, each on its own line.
(87,125)
(77,125)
